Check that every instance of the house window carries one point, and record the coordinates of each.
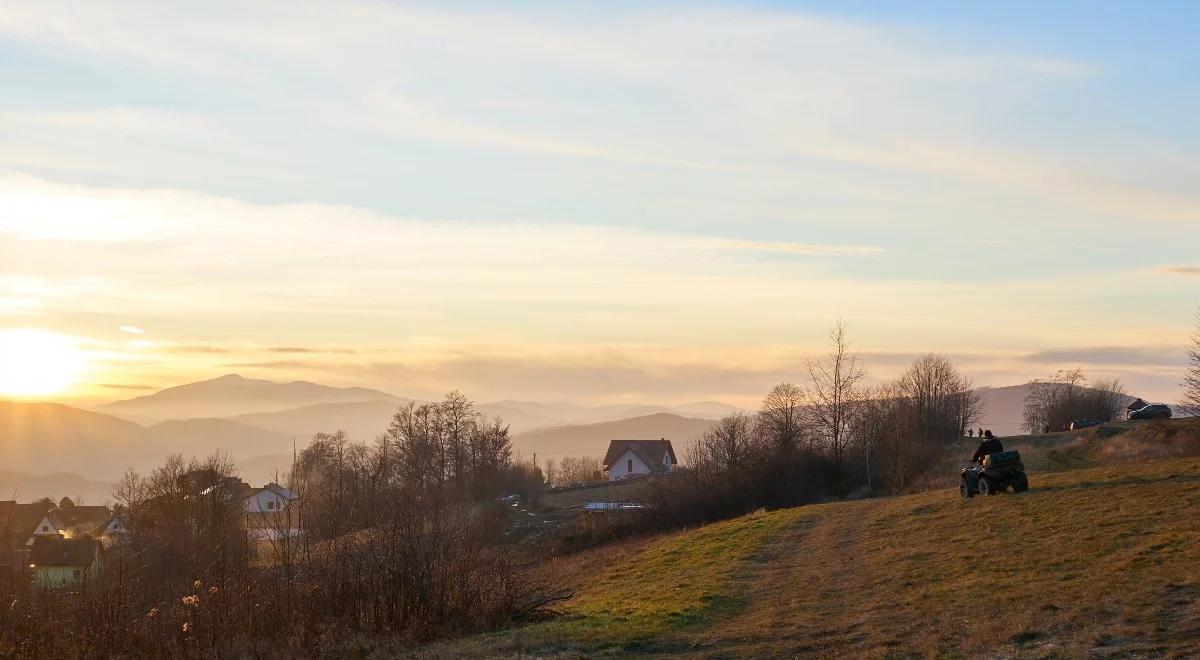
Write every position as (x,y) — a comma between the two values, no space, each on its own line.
(78,574)
(629,466)
(271,504)
(45,528)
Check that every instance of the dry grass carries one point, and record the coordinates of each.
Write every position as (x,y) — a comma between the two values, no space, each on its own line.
(1102,561)
(616,492)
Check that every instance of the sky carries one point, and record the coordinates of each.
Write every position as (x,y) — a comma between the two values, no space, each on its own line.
(597,202)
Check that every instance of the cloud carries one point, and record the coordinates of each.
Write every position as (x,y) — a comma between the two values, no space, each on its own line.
(277,364)
(1181,270)
(310,349)
(126,386)
(132,329)
(798,248)
(624,88)
(1144,356)
(198,348)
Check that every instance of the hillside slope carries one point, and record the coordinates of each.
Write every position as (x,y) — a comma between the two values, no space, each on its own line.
(1099,561)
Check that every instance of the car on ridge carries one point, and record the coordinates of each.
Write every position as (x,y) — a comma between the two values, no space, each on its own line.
(1152,411)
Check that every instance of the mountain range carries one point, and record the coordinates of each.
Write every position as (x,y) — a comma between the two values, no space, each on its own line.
(231,395)
(259,422)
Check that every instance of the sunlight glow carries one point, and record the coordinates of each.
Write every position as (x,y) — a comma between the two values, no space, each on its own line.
(37,363)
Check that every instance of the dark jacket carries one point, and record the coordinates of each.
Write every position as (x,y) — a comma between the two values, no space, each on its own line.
(988,446)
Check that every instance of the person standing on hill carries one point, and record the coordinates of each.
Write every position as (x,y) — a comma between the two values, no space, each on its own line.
(989,445)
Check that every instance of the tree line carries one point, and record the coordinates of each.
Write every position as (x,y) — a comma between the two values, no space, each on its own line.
(403,537)
(832,436)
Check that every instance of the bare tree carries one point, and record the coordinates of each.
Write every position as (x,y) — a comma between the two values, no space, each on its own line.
(781,419)
(834,394)
(551,472)
(1054,403)
(726,446)
(1191,377)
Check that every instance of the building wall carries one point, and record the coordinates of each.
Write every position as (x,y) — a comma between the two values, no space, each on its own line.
(46,527)
(620,468)
(60,576)
(262,501)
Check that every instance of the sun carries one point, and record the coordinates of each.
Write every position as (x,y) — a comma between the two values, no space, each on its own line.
(37,363)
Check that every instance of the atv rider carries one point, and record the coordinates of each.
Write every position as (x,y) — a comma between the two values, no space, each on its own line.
(990,445)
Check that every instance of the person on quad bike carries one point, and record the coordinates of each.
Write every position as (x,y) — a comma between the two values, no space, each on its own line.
(989,445)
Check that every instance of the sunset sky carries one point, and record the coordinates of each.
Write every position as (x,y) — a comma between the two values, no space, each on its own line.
(599,202)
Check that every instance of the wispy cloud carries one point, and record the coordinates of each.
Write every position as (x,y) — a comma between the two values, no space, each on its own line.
(1181,270)
(626,88)
(132,329)
(799,248)
(1146,356)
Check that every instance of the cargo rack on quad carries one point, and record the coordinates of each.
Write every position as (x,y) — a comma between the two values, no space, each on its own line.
(998,472)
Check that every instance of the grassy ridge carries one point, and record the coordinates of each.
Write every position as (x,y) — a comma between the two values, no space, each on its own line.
(1101,561)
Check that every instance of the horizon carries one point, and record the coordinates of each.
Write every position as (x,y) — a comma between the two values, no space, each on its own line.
(612,205)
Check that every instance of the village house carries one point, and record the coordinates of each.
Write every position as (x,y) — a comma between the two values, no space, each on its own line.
(21,523)
(270,515)
(114,531)
(271,497)
(58,562)
(77,520)
(628,459)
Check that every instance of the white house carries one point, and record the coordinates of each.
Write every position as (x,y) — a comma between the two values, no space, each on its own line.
(638,458)
(270,516)
(269,498)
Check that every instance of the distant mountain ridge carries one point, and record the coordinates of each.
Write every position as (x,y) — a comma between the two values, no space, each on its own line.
(41,438)
(231,395)
(26,487)
(592,439)
(50,437)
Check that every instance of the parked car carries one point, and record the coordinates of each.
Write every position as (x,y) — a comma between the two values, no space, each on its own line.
(1152,411)
(1080,424)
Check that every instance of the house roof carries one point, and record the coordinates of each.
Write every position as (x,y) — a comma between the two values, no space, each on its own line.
(650,451)
(54,551)
(84,516)
(21,520)
(1136,404)
(274,488)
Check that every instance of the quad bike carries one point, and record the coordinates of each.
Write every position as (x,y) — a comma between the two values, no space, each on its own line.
(998,472)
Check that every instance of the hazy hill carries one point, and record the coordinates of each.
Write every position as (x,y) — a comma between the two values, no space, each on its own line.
(362,420)
(529,415)
(592,439)
(202,436)
(266,468)
(1003,408)
(231,395)
(51,437)
(26,487)
(47,437)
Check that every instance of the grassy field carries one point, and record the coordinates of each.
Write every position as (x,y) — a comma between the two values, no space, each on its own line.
(616,492)
(1101,558)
